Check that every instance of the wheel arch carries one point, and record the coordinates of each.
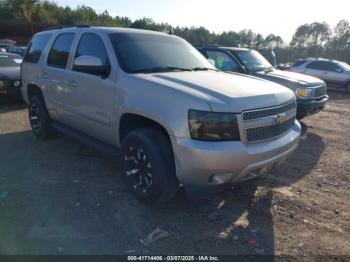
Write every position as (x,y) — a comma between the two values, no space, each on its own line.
(33,90)
(133,121)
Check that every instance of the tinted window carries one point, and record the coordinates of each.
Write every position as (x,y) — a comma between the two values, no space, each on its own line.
(59,53)
(323,65)
(222,61)
(333,67)
(253,60)
(299,63)
(137,52)
(316,65)
(92,45)
(35,49)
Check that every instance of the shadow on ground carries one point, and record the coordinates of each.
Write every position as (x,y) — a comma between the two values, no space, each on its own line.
(337,94)
(8,103)
(63,198)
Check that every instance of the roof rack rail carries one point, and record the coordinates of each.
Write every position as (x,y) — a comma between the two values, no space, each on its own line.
(212,45)
(65,26)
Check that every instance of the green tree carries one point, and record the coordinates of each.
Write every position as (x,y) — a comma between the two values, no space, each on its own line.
(273,41)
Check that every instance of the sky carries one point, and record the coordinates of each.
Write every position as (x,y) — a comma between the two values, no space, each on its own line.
(279,17)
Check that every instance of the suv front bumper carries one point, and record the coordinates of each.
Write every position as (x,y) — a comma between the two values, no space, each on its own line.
(309,107)
(204,164)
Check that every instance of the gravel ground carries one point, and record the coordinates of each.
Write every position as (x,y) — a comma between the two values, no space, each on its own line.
(60,197)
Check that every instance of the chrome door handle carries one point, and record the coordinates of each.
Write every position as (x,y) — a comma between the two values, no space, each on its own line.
(72,83)
(43,77)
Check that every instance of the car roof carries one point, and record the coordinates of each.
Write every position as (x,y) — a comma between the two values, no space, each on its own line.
(225,47)
(101,29)
(312,59)
(238,49)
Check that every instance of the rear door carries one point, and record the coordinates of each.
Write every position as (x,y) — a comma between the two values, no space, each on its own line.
(31,69)
(318,69)
(89,97)
(55,73)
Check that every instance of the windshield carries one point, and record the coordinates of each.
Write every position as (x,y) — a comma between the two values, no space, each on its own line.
(344,65)
(253,60)
(139,52)
(8,61)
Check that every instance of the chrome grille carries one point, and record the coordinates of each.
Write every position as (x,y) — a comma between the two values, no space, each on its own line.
(267,132)
(255,114)
(320,91)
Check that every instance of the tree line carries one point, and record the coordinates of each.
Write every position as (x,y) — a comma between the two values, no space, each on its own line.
(309,40)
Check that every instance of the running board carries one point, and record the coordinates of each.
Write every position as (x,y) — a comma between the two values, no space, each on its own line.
(87,140)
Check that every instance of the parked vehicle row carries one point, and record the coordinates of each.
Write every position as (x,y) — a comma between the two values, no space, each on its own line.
(202,118)
(311,93)
(11,48)
(176,118)
(10,82)
(334,73)
(19,50)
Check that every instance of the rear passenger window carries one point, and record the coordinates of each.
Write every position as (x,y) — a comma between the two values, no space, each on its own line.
(323,65)
(35,48)
(92,45)
(316,65)
(59,53)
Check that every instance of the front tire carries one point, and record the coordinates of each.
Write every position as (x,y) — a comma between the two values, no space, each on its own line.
(39,118)
(149,168)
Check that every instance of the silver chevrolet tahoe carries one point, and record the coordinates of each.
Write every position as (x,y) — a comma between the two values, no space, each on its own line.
(177,120)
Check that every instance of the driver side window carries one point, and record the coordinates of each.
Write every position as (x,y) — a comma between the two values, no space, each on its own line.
(91,45)
(223,61)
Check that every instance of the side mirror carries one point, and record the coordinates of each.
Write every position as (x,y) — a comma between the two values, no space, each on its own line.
(339,70)
(211,61)
(90,65)
(242,69)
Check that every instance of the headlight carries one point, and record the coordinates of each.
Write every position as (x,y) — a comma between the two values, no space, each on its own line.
(304,92)
(16,83)
(209,126)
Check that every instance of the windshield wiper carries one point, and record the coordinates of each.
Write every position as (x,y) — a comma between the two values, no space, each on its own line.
(261,68)
(268,69)
(161,69)
(203,69)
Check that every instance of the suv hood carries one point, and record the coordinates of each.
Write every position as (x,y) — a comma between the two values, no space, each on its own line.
(289,79)
(10,73)
(224,92)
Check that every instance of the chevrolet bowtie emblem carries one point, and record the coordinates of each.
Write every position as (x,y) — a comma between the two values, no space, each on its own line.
(280,119)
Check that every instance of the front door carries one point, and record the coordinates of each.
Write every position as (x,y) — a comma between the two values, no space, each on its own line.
(222,60)
(89,97)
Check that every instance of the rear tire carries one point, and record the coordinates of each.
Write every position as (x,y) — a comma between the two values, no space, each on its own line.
(347,88)
(39,118)
(149,168)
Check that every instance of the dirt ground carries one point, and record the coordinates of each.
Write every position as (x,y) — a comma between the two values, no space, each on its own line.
(60,197)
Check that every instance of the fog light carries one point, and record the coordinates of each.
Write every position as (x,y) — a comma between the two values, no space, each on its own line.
(220,178)
(16,83)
